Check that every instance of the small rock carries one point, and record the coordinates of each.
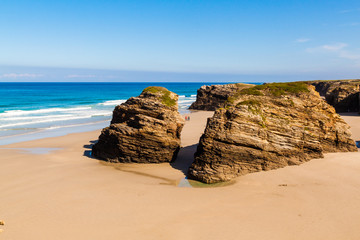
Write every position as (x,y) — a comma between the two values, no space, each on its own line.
(2,223)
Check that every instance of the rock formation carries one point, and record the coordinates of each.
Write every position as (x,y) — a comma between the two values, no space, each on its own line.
(343,95)
(267,127)
(144,129)
(210,98)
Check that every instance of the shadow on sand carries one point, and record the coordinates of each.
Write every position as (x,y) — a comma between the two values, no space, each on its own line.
(184,158)
(89,146)
(182,162)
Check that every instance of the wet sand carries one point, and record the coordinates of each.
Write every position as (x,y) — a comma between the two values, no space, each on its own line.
(66,194)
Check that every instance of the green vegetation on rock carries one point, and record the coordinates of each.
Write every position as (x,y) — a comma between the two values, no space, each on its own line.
(279,89)
(165,95)
(252,91)
(254,106)
(251,102)
(351,81)
(273,89)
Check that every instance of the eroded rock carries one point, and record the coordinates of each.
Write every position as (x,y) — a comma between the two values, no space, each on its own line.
(210,98)
(343,95)
(144,129)
(267,127)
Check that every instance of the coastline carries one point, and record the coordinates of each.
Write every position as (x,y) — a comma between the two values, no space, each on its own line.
(54,106)
(52,195)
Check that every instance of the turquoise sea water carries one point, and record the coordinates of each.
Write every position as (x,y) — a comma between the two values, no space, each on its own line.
(36,110)
(28,108)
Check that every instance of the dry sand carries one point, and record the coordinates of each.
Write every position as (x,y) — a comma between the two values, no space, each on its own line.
(67,195)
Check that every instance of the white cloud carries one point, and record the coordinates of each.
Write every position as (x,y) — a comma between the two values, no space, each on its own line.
(346,11)
(349,55)
(302,40)
(349,10)
(334,47)
(328,48)
(80,76)
(20,75)
(339,49)
(352,24)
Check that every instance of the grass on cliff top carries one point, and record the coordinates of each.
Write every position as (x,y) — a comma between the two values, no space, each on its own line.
(338,80)
(165,95)
(274,89)
(279,89)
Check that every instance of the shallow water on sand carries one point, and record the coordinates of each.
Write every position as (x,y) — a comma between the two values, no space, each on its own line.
(35,150)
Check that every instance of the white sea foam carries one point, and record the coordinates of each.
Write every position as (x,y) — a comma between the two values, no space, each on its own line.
(40,111)
(52,118)
(74,125)
(19,118)
(112,102)
(44,121)
(185,101)
(33,117)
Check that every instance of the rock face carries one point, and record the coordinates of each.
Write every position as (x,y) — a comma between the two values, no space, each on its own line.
(343,95)
(144,129)
(267,127)
(210,98)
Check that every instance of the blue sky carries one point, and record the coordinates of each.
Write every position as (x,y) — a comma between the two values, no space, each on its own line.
(179,40)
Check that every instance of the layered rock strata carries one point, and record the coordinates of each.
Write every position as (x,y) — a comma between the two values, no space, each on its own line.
(144,129)
(267,127)
(343,95)
(210,98)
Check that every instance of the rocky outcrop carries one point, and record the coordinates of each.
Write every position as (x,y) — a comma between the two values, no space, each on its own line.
(267,127)
(144,129)
(343,95)
(210,98)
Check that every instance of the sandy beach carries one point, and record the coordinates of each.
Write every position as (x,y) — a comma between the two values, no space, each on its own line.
(52,189)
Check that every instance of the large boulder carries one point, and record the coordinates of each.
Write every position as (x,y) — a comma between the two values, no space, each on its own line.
(144,129)
(210,98)
(343,95)
(267,127)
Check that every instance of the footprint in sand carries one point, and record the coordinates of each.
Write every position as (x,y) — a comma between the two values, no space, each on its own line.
(2,223)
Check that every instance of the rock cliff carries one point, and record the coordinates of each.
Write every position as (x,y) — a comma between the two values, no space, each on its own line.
(144,129)
(343,95)
(210,98)
(267,127)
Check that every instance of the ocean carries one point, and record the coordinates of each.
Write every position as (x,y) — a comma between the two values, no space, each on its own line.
(35,110)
